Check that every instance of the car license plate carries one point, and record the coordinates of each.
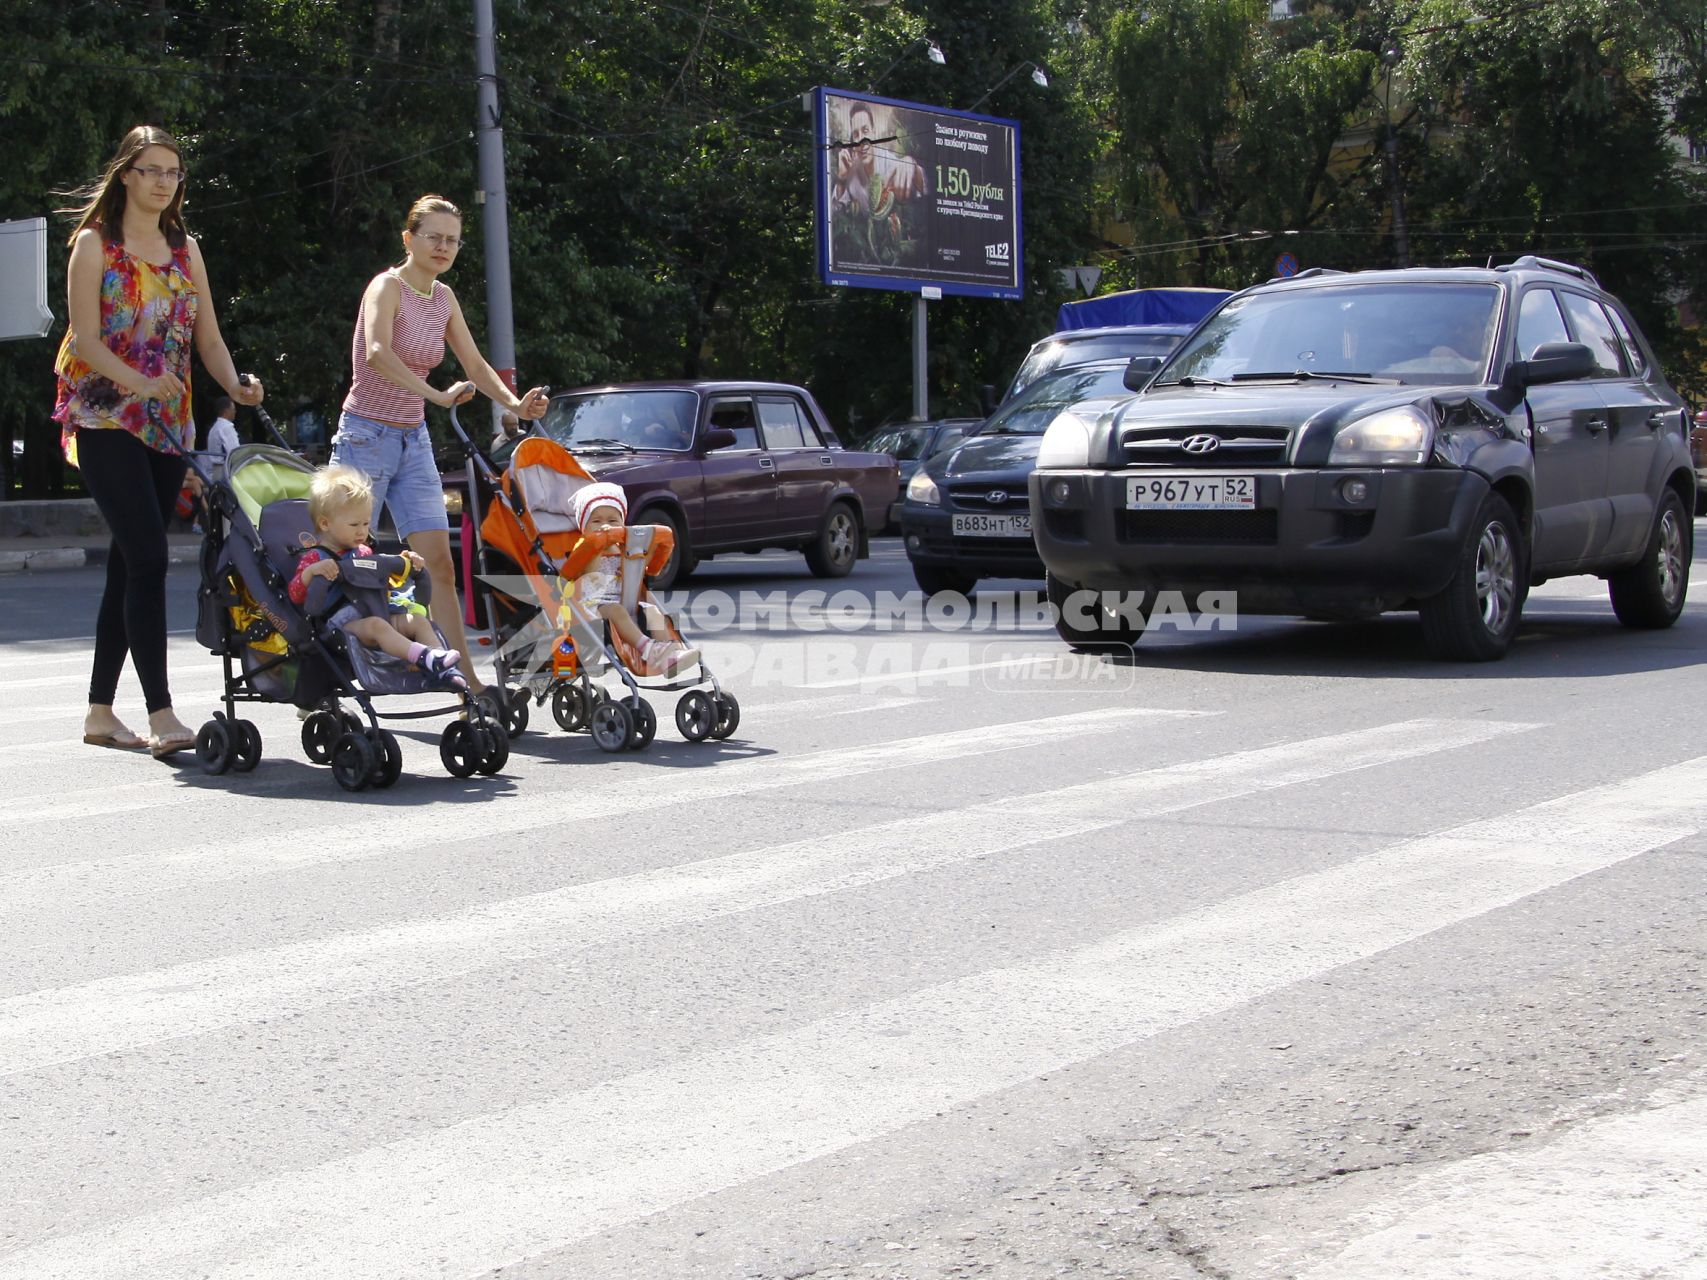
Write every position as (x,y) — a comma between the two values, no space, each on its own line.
(983,526)
(1192,493)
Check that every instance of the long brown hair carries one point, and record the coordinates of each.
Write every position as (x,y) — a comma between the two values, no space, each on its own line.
(101,203)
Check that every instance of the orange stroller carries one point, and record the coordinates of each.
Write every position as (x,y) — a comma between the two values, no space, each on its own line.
(549,646)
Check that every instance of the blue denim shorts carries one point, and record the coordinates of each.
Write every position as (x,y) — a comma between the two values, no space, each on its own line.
(399,462)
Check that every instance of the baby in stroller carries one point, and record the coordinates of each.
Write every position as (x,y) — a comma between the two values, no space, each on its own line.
(340,505)
(595,567)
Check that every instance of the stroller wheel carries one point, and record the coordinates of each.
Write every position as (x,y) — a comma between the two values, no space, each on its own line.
(494,750)
(353,761)
(319,735)
(388,757)
(611,726)
(645,723)
(728,715)
(459,749)
(516,714)
(696,716)
(246,752)
(216,746)
(569,708)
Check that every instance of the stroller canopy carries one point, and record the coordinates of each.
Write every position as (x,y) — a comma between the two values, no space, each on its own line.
(546,477)
(263,473)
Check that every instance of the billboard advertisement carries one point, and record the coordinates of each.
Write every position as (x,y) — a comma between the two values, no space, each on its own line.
(912,197)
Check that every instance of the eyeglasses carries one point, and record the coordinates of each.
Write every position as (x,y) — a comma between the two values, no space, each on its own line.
(436,241)
(154,173)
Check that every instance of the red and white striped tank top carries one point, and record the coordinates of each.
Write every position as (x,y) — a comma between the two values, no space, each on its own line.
(417,338)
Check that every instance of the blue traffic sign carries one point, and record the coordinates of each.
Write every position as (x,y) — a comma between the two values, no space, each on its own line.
(1286,265)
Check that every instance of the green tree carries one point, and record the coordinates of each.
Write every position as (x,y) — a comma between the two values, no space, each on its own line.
(1228,128)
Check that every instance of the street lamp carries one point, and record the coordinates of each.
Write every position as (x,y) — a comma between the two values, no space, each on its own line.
(932,51)
(1390,56)
(1037,78)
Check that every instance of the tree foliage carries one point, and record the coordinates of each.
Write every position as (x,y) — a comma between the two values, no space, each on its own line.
(659,163)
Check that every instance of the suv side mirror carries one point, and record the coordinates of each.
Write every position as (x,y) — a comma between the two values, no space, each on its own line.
(716,438)
(987,399)
(1551,362)
(1139,371)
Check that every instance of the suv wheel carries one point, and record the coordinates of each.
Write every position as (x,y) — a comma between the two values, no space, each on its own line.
(832,553)
(1650,593)
(1475,618)
(681,561)
(932,580)
(1107,630)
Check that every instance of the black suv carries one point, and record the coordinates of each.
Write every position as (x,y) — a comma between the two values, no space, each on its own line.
(1341,444)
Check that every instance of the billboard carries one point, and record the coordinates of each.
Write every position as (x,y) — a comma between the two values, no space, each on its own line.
(912,197)
(23,279)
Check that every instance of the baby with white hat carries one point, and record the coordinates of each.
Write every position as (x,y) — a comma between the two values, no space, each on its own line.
(599,509)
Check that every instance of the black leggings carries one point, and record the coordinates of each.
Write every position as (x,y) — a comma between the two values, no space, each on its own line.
(135,488)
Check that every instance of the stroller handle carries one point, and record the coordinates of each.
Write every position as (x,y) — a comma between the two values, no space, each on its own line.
(266,420)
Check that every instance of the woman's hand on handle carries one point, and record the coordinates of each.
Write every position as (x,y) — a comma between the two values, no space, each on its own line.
(455,394)
(532,405)
(248,390)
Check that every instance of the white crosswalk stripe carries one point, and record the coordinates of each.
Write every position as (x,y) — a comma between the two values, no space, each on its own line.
(325,843)
(120,1013)
(502,1187)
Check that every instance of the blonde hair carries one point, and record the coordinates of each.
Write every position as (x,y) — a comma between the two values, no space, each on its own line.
(102,201)
(334,488)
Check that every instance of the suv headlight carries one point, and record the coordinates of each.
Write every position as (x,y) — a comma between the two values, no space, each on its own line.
(1066,443)
(1391,438)
(922,490)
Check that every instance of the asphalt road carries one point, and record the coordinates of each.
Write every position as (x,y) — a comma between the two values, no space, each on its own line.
(1281,951)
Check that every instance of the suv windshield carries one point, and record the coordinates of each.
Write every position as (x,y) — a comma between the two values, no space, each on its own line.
(1400,332)
(1038,404)
(618,420)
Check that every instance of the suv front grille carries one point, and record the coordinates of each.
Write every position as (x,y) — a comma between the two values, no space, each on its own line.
(1260,527)
(1236,447)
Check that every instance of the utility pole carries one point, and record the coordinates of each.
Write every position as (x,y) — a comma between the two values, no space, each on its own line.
(500,322)
(1395,183)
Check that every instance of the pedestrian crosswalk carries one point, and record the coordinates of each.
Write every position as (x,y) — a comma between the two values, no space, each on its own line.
(800,854)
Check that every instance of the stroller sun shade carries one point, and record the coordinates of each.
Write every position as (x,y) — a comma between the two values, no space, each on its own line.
(262,473)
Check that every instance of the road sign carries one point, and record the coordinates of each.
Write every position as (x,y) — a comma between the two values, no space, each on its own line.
(1286,265)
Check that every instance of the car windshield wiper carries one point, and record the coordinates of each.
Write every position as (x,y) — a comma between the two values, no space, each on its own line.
(1304,375)
(1189,381)
(604,442)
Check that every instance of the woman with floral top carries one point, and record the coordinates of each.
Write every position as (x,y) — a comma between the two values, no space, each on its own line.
(139,303)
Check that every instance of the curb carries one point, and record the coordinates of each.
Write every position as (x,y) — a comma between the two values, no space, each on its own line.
(51,558)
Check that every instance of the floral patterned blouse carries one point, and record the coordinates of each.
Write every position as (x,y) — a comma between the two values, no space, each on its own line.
(148,319)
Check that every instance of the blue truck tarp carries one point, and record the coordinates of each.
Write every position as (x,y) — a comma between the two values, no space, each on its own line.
(1139,306)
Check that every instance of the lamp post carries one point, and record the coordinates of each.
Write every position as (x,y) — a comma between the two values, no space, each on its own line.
(932,51)
(1395,183)
(1037,77)
(495,221)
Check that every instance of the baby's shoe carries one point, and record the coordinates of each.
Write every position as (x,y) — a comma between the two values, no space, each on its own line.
(666,657)
(440,663)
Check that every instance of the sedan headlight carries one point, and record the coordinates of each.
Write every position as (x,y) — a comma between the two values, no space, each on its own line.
(1066,443)
(1392,438)
(922,490)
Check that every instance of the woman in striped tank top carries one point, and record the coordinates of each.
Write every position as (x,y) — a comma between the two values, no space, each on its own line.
(408,317)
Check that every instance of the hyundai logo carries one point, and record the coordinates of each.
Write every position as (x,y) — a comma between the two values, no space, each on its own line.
(996,497)
(1201,444)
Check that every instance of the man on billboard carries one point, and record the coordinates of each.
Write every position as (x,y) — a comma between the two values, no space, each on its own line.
(875,185)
